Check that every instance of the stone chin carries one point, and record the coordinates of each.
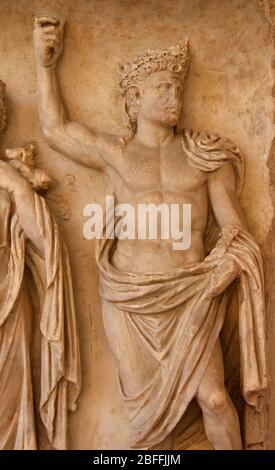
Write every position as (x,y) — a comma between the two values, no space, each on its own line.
(170,121)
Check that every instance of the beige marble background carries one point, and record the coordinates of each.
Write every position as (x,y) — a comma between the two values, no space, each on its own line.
(228,90)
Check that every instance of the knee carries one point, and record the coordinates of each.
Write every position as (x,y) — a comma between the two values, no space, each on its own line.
(214,402)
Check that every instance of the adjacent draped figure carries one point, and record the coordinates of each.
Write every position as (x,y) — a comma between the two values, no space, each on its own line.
(35,286)
(162,329)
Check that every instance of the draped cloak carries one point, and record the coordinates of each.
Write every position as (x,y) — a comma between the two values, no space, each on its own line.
(162,329)
(59,374)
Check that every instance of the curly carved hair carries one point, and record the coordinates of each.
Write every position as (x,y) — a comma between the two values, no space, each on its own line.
(3,112)
(175,59)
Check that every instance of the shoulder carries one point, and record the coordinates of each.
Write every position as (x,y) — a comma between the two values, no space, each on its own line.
(112,143)
(208,141)
(211,153)
(91,138)
(113,149)
(224,176)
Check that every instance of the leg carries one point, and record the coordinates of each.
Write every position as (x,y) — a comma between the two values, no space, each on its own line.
(219,415)
(135,365)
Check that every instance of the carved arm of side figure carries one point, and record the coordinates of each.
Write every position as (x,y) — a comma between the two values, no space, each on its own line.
(23,196)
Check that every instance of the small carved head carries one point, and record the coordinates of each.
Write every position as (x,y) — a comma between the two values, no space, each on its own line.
(24,154)
(152,84)
(23,159)
(3,112)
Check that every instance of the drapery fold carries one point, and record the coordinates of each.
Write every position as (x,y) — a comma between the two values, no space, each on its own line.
(179,327)
(60,365)
(162,328)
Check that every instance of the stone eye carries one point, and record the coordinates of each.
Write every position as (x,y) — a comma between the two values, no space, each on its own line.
(164,86)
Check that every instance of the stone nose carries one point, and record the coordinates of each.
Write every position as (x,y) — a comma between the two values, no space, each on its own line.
(173,102)
(173,92)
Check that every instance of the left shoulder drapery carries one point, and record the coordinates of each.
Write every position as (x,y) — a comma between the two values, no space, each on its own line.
(208,152)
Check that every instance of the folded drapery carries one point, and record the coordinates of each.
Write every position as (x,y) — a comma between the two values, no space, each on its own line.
(60,365)
(162,328)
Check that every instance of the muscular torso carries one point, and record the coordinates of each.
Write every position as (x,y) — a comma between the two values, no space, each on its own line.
(158,175)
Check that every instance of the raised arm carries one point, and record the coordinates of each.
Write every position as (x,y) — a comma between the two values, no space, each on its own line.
(72,139)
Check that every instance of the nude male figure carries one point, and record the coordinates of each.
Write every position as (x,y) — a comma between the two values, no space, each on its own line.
(151,167)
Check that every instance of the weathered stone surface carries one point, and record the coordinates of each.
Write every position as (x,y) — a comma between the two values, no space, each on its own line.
(228,90)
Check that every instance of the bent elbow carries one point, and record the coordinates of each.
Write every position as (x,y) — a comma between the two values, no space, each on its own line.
(52,134)
(48,132)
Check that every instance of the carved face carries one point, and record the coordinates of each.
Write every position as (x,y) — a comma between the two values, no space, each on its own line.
(160,98)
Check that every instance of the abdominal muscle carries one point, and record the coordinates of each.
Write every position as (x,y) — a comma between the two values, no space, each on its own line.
(144,256)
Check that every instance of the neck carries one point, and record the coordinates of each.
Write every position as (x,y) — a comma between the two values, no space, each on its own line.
(153,134)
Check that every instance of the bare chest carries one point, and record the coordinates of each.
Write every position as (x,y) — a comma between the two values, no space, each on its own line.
(157,170)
